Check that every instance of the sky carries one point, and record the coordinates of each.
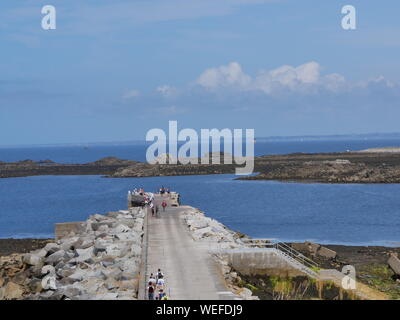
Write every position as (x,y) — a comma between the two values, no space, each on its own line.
(112,70)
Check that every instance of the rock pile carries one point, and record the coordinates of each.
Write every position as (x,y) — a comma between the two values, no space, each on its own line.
(101,262)
(209,230)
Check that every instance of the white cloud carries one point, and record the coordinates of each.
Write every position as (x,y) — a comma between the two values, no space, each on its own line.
(224,76)
(380,80)
(305,78)
(131,94)
(334,82)
(290,76)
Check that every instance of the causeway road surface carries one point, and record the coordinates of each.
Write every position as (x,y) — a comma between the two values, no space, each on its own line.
(190,273)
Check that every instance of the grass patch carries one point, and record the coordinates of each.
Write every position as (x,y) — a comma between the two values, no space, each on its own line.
(380,277)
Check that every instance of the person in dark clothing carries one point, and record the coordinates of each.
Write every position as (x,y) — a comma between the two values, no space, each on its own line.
(150,291)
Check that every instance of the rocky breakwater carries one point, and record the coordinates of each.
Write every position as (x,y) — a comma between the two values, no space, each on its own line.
(101,262)
(218,237)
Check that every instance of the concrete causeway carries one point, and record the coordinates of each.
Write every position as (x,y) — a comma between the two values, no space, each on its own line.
(111,257)
(190,273)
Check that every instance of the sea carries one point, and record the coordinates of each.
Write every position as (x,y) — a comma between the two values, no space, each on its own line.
(348,214)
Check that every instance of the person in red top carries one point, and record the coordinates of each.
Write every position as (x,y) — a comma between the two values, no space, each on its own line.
(164,204)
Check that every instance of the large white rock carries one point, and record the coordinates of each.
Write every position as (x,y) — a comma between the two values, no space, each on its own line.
(65,272)
(116,250)
(200,233)
(131,266)
(136,250)
(128,221)
(92,285)
(56,257)
(103,228)
(99,217)
(32,259)
(51,247)
(67,243)
(197,224)
(40,252)
(121,228)
(78,274)
(125,236)
(111,272)
(71,292)
(95,273)
(83,252)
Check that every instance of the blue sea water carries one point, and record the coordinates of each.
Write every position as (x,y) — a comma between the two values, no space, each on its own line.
(137,151)
(327,213)
(354,214)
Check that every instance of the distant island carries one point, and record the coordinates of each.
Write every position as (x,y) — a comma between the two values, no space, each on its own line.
(367,166)
(380,165)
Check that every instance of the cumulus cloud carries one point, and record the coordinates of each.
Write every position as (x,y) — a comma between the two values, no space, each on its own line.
(300,98)
(302,90)
(334,82)
(224,76)
(377,81)
(305,78)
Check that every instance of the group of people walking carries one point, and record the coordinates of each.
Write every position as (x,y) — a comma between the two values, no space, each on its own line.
(156,287)
(156,283)
(164,191)
(155,208)
(147,199)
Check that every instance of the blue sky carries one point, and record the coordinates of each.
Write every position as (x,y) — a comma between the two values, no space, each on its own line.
(114,69)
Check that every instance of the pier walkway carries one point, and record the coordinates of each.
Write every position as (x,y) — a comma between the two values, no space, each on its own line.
(189,270)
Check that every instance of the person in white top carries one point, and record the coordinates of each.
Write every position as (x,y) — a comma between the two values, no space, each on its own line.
(152,280)
(160,283)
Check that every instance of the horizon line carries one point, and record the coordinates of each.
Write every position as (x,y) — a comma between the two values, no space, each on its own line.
(263,138)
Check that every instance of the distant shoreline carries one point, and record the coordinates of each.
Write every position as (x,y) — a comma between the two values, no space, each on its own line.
(378,165)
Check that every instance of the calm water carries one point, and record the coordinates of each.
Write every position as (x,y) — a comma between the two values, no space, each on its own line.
(347,214)
(342,214)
